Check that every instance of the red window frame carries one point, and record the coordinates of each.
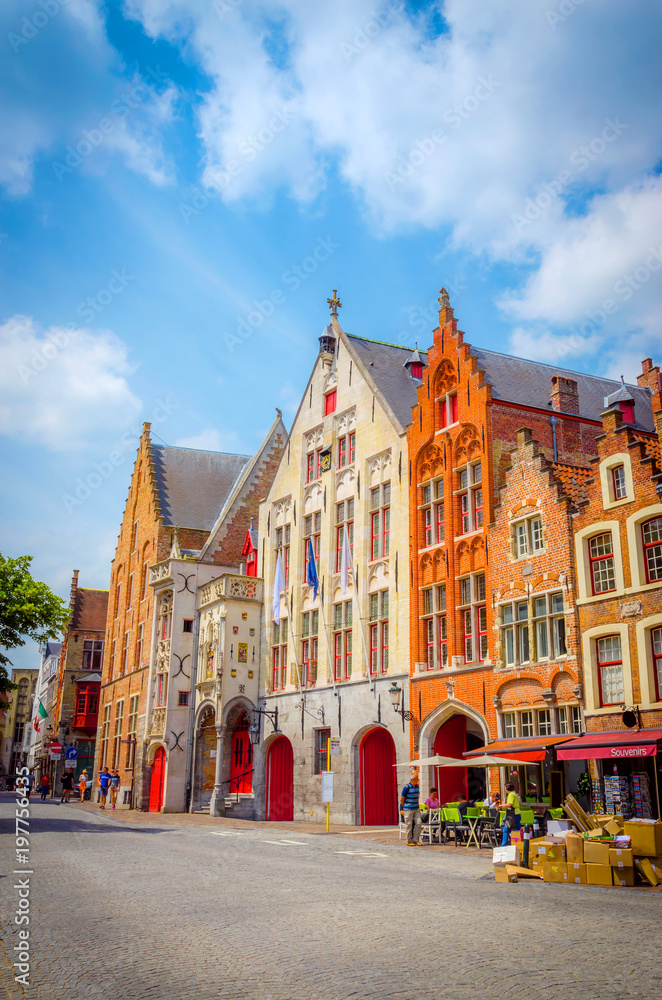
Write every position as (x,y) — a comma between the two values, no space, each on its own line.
(594,560)
(330,402)
(374,647)
(649,547)
(383,653)
(627,408)
(339,540)
(454,408)
(440,518)
(337,655)
(279,654)
(616,486)
(310,469)
(427,526)
(417,369)
(316,551)
(352,447)
(386,530)
(657,663)
(429,634)
(308,656)
(443,404)
(81,703)
(342,452)
(443,642)
(478,507)
(374,527)
(468,635)
(481,612)
(606,663)
(465,516)
(319,463)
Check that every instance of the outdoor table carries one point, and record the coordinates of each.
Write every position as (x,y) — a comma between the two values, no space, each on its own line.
(472,822)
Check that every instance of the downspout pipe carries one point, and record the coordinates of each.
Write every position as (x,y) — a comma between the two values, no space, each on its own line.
(554,421)
(189,754)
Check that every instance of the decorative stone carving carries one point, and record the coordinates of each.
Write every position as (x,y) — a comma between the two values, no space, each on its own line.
(630,609)
(158,722)
(312,497)
(165,604)
(241,586)
(282,511)
(346,422)
(162,571)
(163,656)
(314,439)
(450,687)
(379,467)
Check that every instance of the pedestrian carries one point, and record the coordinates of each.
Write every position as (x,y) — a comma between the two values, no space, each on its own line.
(513,817)
(82,783)
(29,783)
(409,803)
(115,782)
(44,785)
(104,783)
(67,785)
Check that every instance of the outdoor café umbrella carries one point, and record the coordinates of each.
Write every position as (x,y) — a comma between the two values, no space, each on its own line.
(437,761)
(484,761)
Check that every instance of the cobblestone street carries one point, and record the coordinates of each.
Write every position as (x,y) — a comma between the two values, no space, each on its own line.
(136,911)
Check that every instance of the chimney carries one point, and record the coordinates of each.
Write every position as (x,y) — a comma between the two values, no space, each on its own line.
(612,420)
(650,376)
(74,588)
(564,395)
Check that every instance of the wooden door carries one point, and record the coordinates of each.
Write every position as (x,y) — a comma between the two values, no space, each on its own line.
(157,782)
(379,791)
(280,780)
(241,758)
(451,741)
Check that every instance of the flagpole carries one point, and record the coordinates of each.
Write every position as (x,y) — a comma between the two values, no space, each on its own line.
(294,644)
(365,648)
(328,648)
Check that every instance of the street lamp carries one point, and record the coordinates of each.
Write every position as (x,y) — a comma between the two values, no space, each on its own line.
(395,694)
(254,728)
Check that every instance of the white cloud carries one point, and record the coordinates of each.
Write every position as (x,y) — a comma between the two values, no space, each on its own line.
(63,387)
(210,439)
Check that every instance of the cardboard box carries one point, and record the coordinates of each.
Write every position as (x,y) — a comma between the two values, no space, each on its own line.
(559,826)
(549,851)
(576,873)
(524,872)
(595,834)
(574,848)
(645,868)
(504,873)
(504,855)
(614,827)
(646,836)
(596,853)
(623,876)
(555,871)
(621,857)
(598,874)
(533,846)
(537,864)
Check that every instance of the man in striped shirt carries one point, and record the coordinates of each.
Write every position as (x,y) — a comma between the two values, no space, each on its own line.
(409,803)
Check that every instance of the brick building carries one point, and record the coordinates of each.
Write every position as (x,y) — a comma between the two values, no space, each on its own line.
(18,724)
(78,680)
(470,406)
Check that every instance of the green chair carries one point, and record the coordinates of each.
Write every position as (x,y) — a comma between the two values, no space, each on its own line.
(473,811)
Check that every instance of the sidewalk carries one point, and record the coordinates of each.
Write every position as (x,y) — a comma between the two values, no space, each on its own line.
(372,835)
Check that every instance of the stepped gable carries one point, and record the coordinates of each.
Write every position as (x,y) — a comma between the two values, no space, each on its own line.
(383,364)
(652,445)
(193,485)
(518,380)
(573,478)
(90,610)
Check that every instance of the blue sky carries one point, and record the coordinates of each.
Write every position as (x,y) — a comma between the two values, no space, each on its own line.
(168,168)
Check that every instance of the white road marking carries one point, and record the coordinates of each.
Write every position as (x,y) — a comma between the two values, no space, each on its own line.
(284,843)
(364,854)
(236,833)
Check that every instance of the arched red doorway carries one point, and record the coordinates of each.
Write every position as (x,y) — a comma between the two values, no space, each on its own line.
(157,782)
(280,780)
(241,757)
(378,789)
(452,739)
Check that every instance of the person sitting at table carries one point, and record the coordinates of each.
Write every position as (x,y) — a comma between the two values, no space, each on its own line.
(493,803)
(462,804)
(432,802)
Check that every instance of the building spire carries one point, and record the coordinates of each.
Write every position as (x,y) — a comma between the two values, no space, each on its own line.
(334,303)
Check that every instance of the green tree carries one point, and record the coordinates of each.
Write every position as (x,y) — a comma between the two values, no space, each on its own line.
(28,610)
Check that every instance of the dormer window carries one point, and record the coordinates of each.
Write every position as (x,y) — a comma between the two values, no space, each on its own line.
(414,364)
(625,401)
(627,408)
(417,369)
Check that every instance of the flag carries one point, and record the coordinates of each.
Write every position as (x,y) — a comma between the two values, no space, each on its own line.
(311,570)
(279,585)
(41,714)
(345,560)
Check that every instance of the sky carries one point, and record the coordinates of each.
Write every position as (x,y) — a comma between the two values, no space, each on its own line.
(184,182)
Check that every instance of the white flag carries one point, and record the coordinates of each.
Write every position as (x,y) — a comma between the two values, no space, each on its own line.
(279,585)
(345,560)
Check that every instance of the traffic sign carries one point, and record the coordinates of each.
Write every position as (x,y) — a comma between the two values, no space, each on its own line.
(71,753)
(56,747)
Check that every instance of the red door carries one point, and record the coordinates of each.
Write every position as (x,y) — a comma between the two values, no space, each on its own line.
(241,758)
(156,784)
(379,791)
(280,780)
(451,741)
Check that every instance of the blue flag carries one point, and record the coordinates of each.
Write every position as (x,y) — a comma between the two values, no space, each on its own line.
(311,571)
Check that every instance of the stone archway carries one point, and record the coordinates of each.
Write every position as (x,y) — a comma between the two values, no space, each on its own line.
(204,765)
(471,729)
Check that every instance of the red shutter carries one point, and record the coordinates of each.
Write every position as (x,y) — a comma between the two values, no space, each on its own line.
(330,403)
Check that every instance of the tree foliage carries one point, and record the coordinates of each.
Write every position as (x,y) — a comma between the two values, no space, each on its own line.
(28,610)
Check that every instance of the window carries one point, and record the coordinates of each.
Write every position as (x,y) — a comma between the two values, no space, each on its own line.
(161,690)
(182,698)
(125,654)
(610,670)
(81,702)
(330,402)
(105,734)
(117,742)
(312,528)
(139,646)
(129,592)
(279,655)
(132,730)
(417,369)
(118,592)
(346,450)
(432,512)
(618,482)
(134,536)
(563,720)
(342,640)
(474,618)
(527,537)
(344,522)
(509,725)
(92,654)
(314,465)
(526,723)
(309,630)
(144,578)
(380,521)
(470,493)
(165,625)
(321,743)
(544,722)
(652,537)
(447,409)
(19,730)
(601,556)
(379,638)
(546,630)
(113,649)
(576,719)
(283,546)
(187,625)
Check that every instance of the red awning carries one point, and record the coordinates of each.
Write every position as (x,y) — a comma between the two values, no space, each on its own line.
(622,745)
(531,748)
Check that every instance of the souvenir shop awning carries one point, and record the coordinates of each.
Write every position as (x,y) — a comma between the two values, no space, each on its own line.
(622,745)
(529,748)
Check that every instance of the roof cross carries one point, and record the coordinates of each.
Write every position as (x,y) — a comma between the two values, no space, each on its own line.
(334,303)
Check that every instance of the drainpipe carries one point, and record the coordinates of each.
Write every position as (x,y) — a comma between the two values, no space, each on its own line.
(554,421)
(189,755)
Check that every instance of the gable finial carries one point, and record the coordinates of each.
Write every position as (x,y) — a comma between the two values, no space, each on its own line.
(443,300)
(334,303)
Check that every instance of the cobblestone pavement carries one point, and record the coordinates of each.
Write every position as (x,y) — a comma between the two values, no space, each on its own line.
(138,911)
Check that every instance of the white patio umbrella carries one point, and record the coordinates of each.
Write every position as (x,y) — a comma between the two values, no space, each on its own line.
(483,761)
(437,761)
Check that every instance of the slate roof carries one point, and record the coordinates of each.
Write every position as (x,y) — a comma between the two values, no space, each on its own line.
(193,485)
(529,382)
(573,478)
(89,611)
(54,648)
(384,362)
